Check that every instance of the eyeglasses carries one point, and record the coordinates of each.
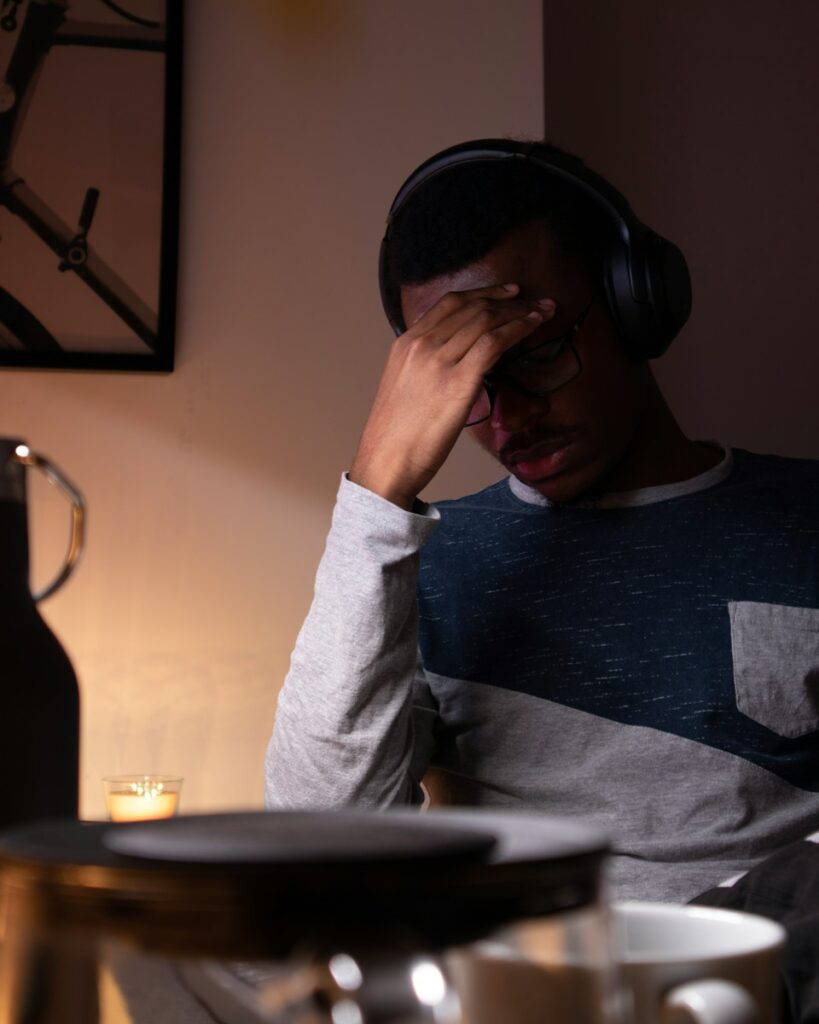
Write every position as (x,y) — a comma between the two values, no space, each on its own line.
(538,371)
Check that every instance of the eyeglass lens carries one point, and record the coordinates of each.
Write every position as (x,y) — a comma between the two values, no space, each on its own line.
(481,410)
(538,372)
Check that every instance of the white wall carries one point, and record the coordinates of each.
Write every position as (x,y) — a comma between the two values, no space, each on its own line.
(210,489)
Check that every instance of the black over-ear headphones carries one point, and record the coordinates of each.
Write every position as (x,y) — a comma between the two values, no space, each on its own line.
(645,277)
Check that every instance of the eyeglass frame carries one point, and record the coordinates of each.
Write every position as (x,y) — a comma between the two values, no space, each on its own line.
(490,388)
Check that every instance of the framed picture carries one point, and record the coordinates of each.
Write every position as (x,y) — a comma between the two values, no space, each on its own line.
(90,99)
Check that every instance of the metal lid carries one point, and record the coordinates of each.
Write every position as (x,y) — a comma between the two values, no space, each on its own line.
(263,884)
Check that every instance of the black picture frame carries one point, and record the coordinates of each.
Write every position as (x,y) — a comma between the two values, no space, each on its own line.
(90,97)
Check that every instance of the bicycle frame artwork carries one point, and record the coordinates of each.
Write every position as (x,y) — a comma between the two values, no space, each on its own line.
(90,94)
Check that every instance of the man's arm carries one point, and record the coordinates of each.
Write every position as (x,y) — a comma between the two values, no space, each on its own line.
(345,729)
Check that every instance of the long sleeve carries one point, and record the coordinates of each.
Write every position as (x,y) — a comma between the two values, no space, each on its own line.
(353,724)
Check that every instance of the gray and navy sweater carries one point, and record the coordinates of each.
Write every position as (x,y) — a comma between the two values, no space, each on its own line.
(648,663)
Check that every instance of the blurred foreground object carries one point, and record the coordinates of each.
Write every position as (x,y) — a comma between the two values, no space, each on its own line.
(39,748)
(335,917)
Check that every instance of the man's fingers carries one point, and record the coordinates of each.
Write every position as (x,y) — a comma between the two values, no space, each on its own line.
(481,349)
(486,323)
(453,336)
(454,302)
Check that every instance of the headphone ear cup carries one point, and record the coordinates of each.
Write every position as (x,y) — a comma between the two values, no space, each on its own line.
(669,283)
(648,289)
(626,314)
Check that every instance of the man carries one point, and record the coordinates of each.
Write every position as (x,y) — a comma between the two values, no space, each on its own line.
(625,629)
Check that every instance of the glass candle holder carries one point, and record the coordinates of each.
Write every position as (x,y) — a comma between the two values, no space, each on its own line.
(141,797)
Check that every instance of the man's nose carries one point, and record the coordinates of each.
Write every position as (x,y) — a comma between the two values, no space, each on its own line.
(514,409)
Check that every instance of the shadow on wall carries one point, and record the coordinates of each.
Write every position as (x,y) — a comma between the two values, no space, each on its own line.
(706,120)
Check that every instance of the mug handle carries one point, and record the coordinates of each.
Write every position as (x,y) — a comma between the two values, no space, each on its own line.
(709,1001)
(24,455)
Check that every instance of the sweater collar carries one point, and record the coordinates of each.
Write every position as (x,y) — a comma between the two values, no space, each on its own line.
(642,496)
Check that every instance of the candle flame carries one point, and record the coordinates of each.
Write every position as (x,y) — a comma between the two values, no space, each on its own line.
(148,790)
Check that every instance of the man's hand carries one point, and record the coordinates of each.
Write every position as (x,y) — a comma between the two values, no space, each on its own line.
(431,381)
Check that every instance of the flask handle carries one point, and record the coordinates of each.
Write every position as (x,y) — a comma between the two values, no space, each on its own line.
(26,457)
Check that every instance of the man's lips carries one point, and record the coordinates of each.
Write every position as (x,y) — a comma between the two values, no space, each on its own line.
(512,453)
(545,458)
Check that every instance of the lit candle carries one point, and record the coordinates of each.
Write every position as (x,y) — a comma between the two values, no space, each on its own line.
(141,799)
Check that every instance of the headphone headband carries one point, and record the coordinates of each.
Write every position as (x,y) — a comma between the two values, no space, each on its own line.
(645,277)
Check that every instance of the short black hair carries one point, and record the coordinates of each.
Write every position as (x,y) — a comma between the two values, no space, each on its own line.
(460,214)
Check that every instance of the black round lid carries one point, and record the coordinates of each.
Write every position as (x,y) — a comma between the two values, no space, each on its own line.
(299,838)
(264,883)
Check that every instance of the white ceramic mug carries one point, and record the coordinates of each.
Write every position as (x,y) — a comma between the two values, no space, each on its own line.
(672,964)
(689,963)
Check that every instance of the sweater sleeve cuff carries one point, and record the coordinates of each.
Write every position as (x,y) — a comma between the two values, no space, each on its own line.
(356,502)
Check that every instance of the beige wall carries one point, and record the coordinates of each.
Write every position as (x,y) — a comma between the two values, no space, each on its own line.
(210,489)
(704,114)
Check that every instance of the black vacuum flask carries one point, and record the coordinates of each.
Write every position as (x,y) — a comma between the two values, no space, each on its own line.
(39,697)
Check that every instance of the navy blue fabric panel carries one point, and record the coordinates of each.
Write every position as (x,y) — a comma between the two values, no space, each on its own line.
(623,613)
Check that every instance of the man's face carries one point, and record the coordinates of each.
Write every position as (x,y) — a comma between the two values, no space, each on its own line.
(569,442)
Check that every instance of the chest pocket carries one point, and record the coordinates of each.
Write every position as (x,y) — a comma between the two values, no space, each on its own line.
(775,651)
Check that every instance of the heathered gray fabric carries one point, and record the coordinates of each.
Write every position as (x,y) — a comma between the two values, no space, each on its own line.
(775,651)
(343,732)
(682,815)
